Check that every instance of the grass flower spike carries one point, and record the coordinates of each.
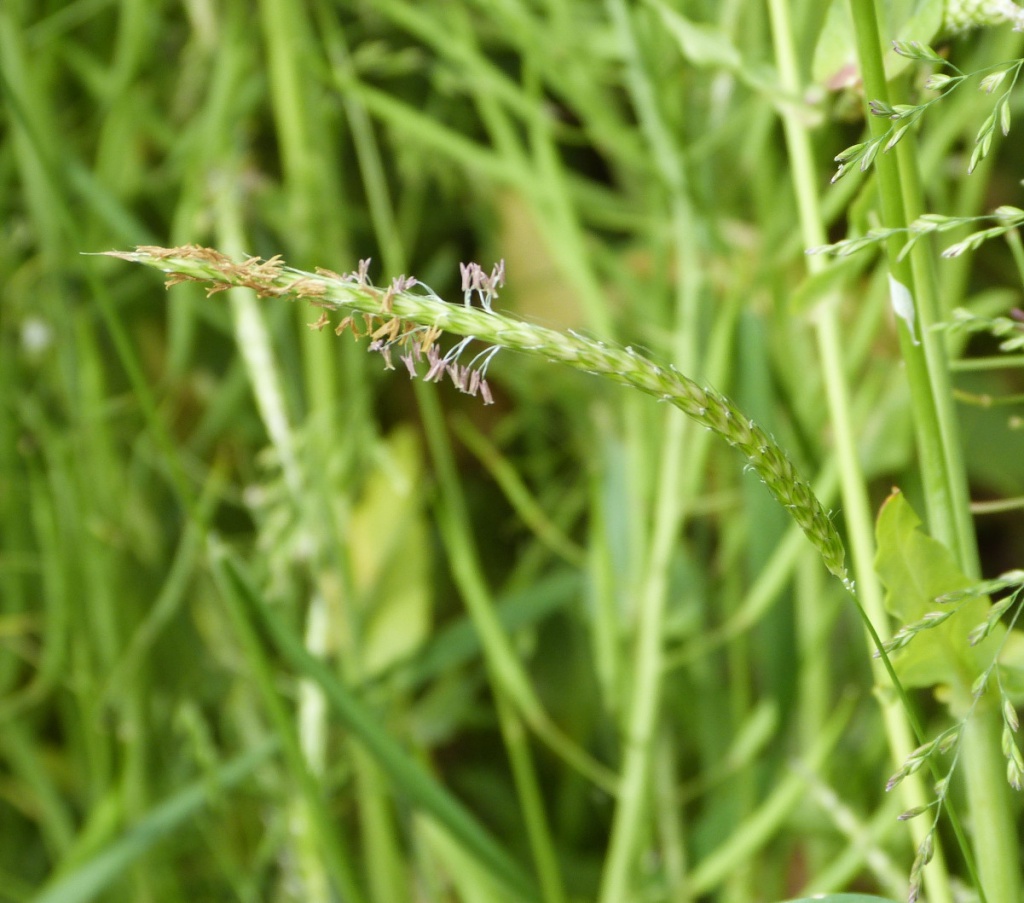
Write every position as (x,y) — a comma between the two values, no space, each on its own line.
(407,319)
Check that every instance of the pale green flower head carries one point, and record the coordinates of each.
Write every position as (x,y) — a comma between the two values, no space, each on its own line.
(963,15)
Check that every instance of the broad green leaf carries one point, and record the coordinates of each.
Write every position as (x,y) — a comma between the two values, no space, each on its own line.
(916,569)
(835,56)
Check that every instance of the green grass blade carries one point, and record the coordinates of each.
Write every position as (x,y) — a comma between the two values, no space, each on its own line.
(407,774)
(90,879)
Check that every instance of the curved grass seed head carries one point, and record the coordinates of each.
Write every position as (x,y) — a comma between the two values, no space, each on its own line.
(407,319)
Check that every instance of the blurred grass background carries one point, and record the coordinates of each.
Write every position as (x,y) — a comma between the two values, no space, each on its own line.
(176,469)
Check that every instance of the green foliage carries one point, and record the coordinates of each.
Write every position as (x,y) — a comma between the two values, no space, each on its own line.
(956,651)
(1008,218)
(390,544)
(93,878)
(907,22)
(840,898)
(917,571)
(276,624)
(1007,329)
(903,116)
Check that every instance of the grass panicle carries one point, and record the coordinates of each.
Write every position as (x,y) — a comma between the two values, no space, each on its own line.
(400,320)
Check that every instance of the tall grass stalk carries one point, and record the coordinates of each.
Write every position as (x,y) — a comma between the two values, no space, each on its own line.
(642,712)
(856,510)
(942,467)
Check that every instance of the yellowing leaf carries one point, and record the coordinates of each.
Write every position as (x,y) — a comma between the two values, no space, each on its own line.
(390,556)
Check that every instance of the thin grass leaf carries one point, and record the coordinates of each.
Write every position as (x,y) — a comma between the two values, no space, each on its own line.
(93,877)
(408,775)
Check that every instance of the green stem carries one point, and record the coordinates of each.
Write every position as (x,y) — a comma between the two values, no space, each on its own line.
(531,801)
(260,627)
(640,720)
(995,838)
(942,468)
(856,508)
(943,471)
(514,695)
(334,850)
